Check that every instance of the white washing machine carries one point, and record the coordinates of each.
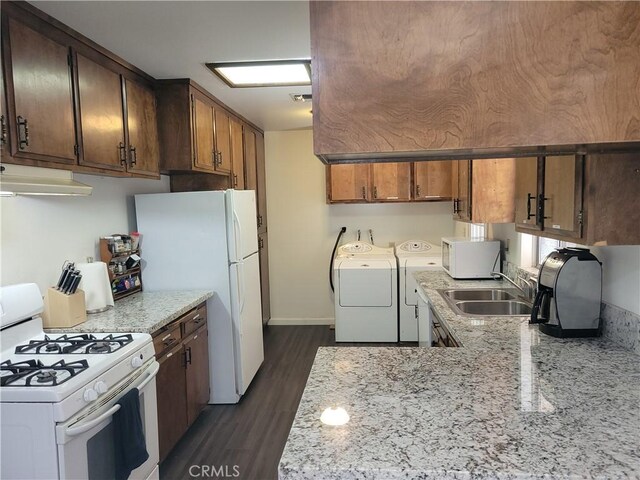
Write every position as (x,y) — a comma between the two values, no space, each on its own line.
(366,294)
(413,256)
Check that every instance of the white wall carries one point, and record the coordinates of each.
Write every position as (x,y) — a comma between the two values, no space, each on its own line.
(620,268)
(39,233)
(302,228)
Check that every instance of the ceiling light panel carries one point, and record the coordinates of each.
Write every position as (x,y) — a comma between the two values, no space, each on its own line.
(263,74)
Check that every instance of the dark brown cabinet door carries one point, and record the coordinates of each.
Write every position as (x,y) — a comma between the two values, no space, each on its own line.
(223,141)
(250,166)
(196,349)
(432,180)
(203,151)
(4,126)
(263,251)
(348,182)
(142,125)
(262,183)
(237,155)
(563,195)
(528,173)
(43,97)
(172,401)
(391,181)
(462,197)
(101,116)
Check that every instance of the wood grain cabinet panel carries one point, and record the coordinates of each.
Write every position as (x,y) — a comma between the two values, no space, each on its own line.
(526,200)
(142,128)
(589,200)
(237,155)
(101,116)
(391,181)
(250,163)
(455,76)
(263,250)
(462,183)
(203,157)
(196,348)
(223,141)
(432,180)
(348,183)
(261,173)
(4,121)
(40,79)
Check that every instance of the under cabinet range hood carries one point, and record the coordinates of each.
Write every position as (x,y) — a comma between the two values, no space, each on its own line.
(22,180)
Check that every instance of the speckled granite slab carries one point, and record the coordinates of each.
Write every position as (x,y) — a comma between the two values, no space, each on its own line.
(143,312)
(510,403)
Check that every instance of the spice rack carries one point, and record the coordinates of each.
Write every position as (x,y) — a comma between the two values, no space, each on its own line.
(124,280)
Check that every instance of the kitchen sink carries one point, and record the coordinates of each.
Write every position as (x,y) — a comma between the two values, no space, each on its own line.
(480,294)
(494,308)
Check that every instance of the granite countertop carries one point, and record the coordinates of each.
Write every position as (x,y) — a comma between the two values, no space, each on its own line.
(509,403)
(143,312)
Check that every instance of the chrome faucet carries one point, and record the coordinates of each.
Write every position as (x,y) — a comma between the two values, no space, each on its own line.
(499,274)
(529,295)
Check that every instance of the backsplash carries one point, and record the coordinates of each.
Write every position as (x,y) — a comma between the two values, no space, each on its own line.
(619,326)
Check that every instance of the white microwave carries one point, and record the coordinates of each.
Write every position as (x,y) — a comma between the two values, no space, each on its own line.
(470,257)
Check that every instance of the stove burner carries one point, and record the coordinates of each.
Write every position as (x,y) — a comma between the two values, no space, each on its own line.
(78,344)
(100,347)
(22,374)
(48,376)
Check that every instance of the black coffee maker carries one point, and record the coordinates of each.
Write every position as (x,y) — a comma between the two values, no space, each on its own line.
(569,294)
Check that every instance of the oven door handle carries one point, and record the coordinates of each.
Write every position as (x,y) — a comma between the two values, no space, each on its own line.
(85,427)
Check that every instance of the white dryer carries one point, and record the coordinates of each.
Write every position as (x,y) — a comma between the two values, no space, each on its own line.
(366,294)
(413,256)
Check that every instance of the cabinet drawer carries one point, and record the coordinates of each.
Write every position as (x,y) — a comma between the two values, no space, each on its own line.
(167,339)
(194,320)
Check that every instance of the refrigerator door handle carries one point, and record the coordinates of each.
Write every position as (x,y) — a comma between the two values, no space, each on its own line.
(238,240)
(241,286)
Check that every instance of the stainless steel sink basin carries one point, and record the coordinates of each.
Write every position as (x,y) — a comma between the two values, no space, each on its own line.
(494,308)
(480,294)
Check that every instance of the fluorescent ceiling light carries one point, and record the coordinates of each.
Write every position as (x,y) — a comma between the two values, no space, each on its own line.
(277,73)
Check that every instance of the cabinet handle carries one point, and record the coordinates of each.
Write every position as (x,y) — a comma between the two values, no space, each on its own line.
(259,220)
(235,180)
(260,243)
(187,354)
(23,124)
(417,190)
(123,153)
(219,159)
(529,198)
(364,193)
(3,134)
(541,215)
(134,155)
(169,342)
(455,206)
(375,192)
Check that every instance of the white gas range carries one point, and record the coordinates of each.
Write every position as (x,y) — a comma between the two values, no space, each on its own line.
(58,395)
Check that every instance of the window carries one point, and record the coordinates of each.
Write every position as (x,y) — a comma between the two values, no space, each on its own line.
(548,245)
(477,230)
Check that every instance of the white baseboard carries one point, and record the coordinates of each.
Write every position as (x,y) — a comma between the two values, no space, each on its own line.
(302,321)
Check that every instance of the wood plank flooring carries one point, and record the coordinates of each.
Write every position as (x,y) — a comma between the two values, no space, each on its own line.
(251,435)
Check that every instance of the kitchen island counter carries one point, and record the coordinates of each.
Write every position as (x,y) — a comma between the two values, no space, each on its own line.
(509,403)
(144,312)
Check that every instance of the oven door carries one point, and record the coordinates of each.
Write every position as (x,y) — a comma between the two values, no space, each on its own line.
(86,445)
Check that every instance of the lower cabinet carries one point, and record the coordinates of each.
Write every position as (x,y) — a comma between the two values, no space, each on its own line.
(182,384)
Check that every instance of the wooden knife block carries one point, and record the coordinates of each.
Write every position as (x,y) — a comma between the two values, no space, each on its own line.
(62,311)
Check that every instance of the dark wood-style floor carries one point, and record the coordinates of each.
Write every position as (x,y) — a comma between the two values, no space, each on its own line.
(251,435)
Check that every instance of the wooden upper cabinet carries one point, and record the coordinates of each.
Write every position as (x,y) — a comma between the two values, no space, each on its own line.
(4,125)
(101,116)
(432,180)
(223,141)
(40,79)
(262,183)
(526,196)
(237,155)
(203,150)
(391,181)
(466,67)
(250,164)
(563,195)
(348,183)
(484,190)
(142,127)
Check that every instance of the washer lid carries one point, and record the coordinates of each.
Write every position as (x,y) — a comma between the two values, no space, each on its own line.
(356,247)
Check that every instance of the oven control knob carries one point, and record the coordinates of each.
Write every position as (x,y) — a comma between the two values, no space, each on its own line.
(100,387)
(90,395)
(136,362)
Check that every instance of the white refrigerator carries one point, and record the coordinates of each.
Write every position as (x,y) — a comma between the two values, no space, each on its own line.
(209,240)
